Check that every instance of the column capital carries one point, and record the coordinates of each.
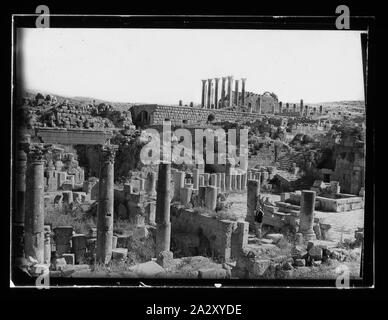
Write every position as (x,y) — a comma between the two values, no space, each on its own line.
(224,78)
(230,77)
(210,80)
(217,79)
(243,79)
(204,81)
(108,152)
(37,151)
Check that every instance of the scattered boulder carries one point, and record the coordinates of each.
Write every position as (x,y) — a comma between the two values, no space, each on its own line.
(299,262)
(275,237)
(165,259)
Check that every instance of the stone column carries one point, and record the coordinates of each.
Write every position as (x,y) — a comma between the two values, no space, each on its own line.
(211,197)
(216,93)
(243,91)
(280,107)
(151,183)
(301,107)
(244,181)
(294,107)
(223,181)
(320,109)
(34,203)
(228,178)
(195,179)
(203,93)
(179,182)
(252,199)
(230,81)
(213,179)
(288,107)
(20,186)
(238,181)
(209,90)
(307,214)
(259,105)
(223,92)
(163,224)
(201,196)
(201,181)
(236,93)
(47,244)
(105,204)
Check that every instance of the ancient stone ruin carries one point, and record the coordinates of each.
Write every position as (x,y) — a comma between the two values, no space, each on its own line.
(87,206)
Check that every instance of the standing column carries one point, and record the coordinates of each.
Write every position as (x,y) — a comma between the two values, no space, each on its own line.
(294,107)
(280,106)
(243,91)
(288,107)
(34,204)
(105,204)
(252,199)
(195,179)
(151,183)
(216,93)
(258,101)
(306,223)
(179,182)
(236,92)
(209,92)
(230,81)
(223,92)
(228,178)
(301,107)
(163,224)
(203,93)
(18,218)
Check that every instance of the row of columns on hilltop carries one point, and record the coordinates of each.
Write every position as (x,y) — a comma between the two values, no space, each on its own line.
(210,90)
(28,218)
(303,109)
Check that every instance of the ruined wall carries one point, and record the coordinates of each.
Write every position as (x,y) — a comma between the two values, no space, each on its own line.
(219,233)
(186,115)
(350,166)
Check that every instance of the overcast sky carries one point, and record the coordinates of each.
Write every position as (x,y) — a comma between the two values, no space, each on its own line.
(166,65)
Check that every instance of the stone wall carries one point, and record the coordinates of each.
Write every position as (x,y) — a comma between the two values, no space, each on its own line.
(222,235)
(156,114)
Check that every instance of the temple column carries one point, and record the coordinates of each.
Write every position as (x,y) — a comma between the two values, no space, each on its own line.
(18,218)
(230,81)
(228,178)
(259,105)
(105,204)
(163,224)
(243,91)
(34,203)
(288,107)
(223,92)
(236,93)
(216,93)
(306,223)
(203,93)
(320,109)
(301,107)
(280,107)
(209,92)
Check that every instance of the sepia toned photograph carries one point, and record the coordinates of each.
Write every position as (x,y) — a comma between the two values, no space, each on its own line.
(201,154)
